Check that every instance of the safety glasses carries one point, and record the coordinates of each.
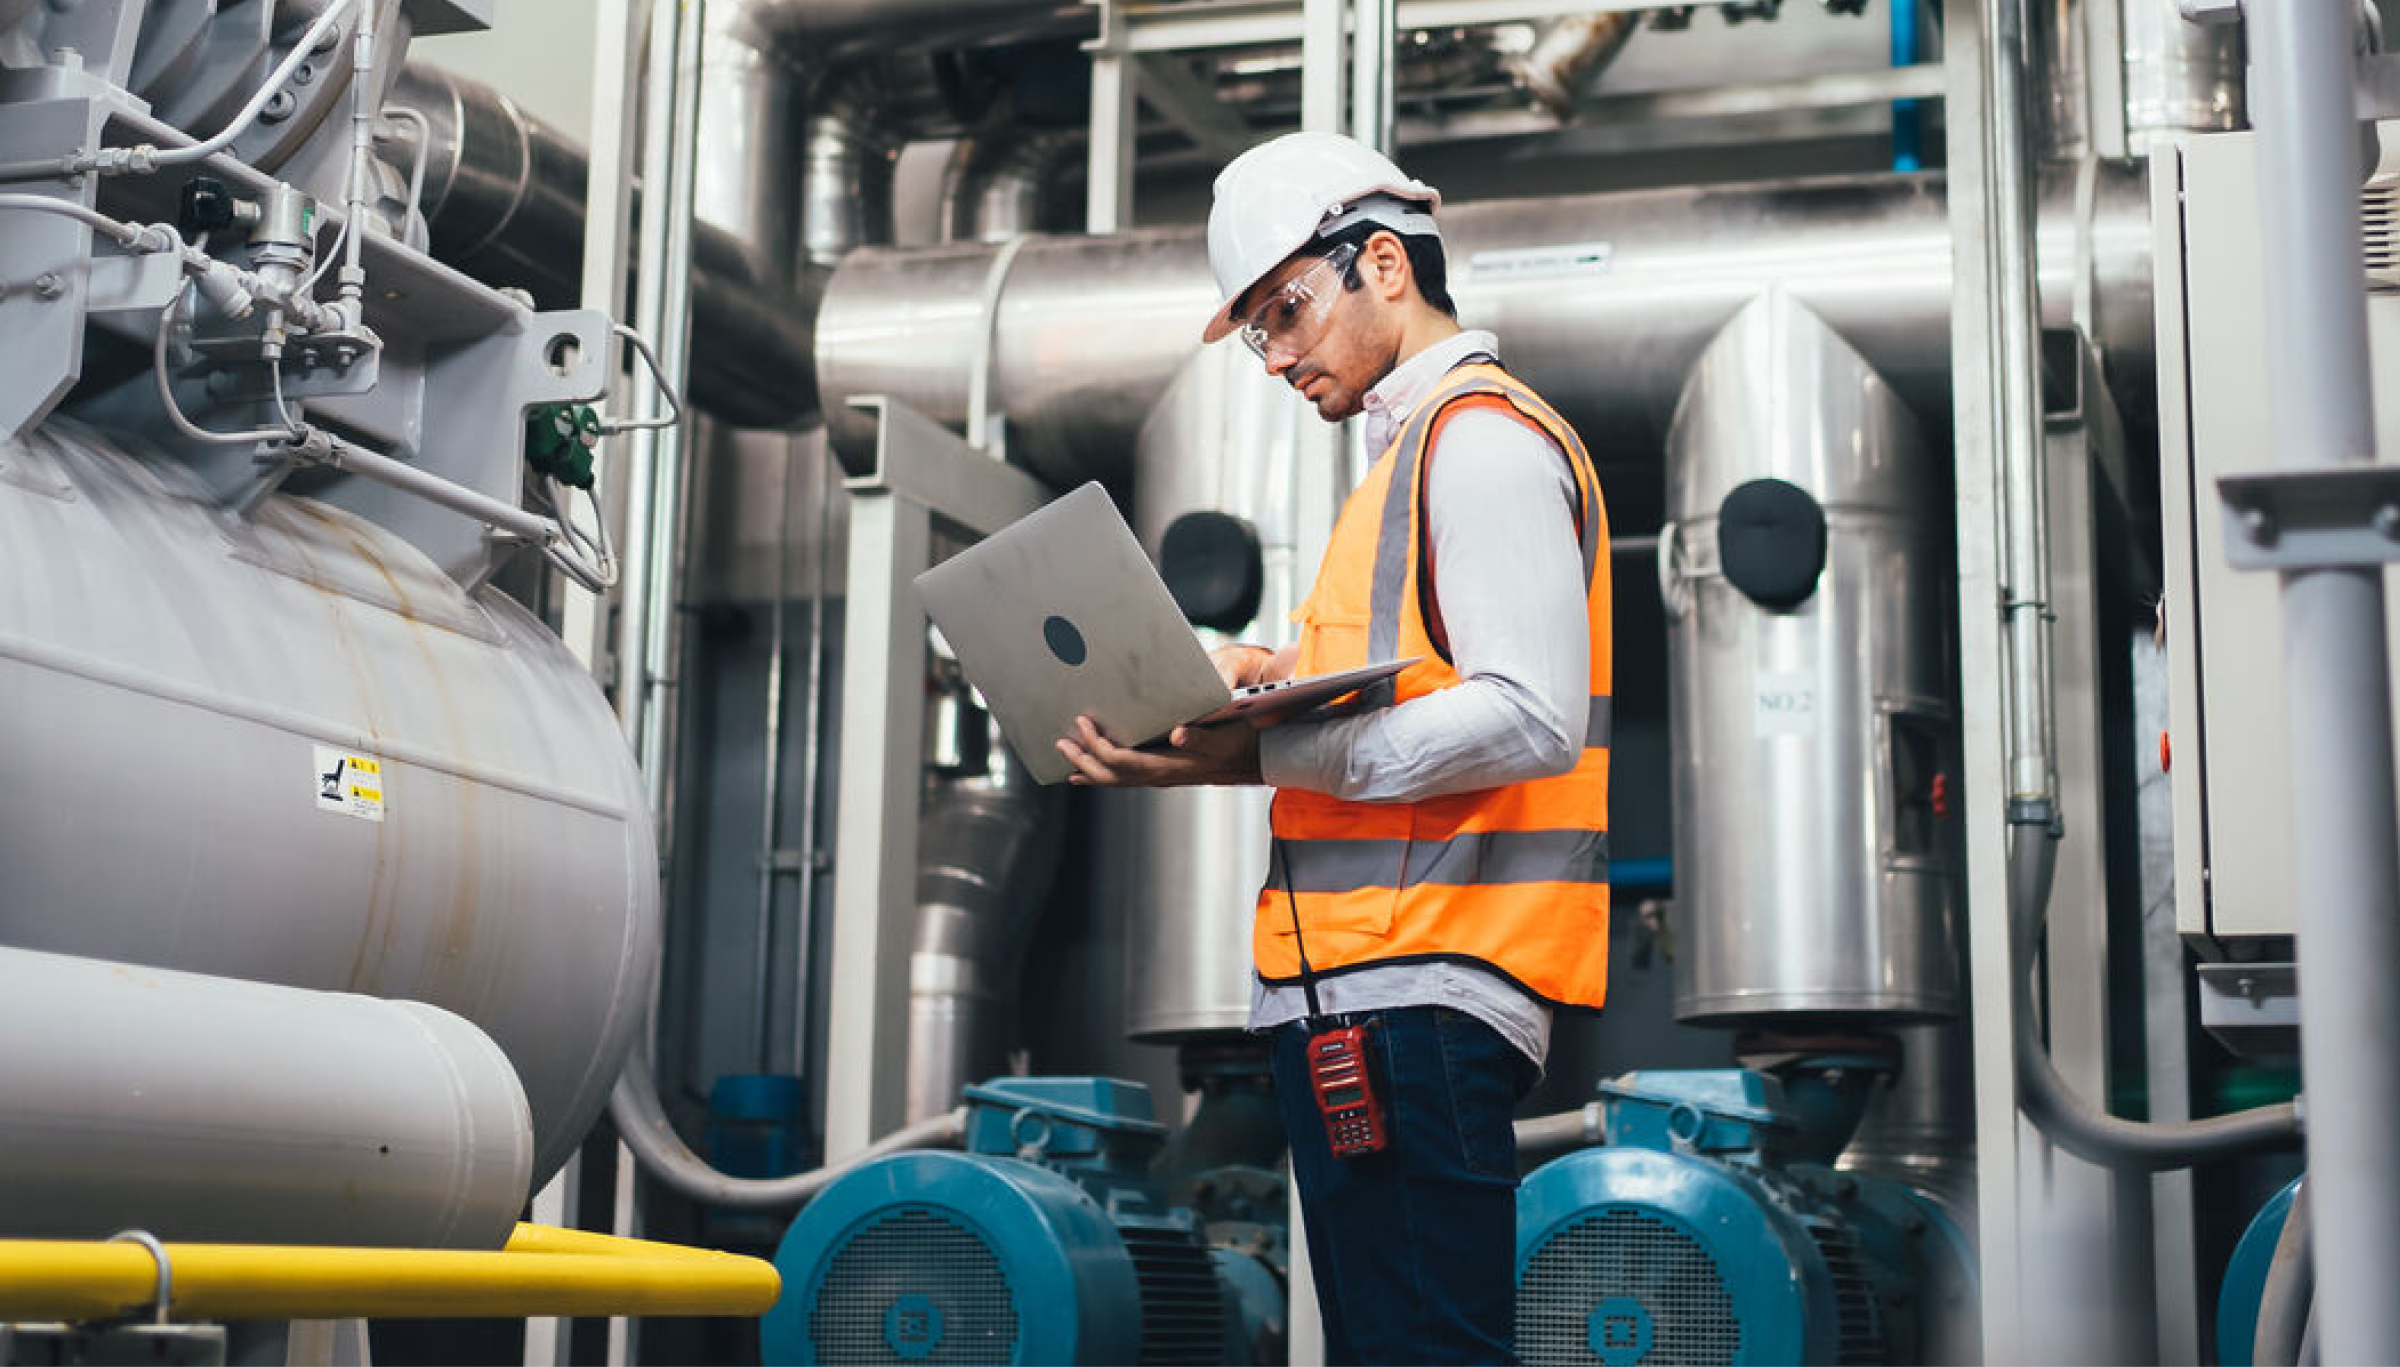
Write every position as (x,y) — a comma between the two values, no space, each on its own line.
(1293,317)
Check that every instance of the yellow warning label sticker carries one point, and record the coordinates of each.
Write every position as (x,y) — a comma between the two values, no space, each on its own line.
(349,783)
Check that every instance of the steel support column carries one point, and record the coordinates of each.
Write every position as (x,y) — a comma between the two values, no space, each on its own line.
(921,472)
(2347,872)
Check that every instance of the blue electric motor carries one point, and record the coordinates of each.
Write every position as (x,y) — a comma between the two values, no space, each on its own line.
(1046,1242)
(2245,1284)
(1694,1237)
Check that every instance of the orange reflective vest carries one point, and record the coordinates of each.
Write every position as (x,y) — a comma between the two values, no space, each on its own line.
(1513,879)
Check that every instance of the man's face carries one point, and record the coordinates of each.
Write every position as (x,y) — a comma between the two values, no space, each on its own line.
(1317,333)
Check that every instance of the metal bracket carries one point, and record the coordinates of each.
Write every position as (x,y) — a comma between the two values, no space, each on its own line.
(2252,1009)
(2336,517)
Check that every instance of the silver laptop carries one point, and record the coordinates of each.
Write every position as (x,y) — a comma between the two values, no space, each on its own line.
(1060,615)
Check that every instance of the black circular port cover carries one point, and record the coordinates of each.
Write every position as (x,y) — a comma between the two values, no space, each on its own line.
(1212,564)
(1771,541)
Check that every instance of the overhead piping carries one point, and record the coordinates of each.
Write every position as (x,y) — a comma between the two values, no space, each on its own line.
(503,202)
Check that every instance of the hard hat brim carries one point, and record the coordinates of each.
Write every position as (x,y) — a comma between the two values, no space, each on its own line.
(1223,323)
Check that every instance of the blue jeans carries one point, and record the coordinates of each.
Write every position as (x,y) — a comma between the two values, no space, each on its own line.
(1414,1249)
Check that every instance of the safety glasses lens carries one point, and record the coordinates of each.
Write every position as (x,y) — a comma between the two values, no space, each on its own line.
(1289,321)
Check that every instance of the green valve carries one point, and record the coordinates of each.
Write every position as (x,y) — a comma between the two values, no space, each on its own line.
(559,439)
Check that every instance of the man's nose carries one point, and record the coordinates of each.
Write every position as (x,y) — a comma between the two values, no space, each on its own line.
(1279,360)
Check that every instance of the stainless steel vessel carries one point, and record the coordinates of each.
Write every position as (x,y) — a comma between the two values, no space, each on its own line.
(186,699)
(1814,759)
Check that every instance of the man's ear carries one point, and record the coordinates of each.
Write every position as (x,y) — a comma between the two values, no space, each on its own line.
(1389,262)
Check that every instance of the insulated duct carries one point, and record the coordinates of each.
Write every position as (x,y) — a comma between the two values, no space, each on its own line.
(989,846)
(1567,55)
(1003,183)
(846,27)
(1603,302)
(846,167)
(504,202)
(208,1108)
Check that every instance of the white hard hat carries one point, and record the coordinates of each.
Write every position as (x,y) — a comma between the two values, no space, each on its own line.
(1273,198)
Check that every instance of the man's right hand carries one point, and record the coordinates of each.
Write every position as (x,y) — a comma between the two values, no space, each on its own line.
(1242,666)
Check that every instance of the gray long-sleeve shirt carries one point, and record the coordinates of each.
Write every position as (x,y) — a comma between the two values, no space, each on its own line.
(1508,574)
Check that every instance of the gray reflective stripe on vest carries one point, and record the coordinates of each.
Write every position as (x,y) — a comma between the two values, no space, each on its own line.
(1469,859)
(1599,722)
(1392,542)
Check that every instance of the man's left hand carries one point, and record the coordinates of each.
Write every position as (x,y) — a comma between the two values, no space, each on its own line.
(1226,754)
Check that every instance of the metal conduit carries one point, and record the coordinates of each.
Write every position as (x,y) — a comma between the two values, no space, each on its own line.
(1603,301)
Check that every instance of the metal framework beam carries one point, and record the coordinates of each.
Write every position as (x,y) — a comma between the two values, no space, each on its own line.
(921,472)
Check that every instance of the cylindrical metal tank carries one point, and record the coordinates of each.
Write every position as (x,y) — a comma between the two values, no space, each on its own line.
(1224,439)
(206,1109)
(1813,743)
(1602,303)
(288,748)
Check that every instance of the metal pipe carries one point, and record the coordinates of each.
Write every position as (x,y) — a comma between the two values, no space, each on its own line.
(1568,53)
(989,850)
(206,1107)
(750,105)
(2073,1123)
(504,202)
(1543,1137)
(2016,313)
(662,311)
(812,766)
(1373,37)
(835,27)
(770,798)
(351,458)
(2346,869)
(646,1130)
(542,1271)
(1603,301)
(846,169)
(998,183)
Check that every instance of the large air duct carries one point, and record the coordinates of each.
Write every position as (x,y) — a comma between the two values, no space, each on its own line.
(1602,302)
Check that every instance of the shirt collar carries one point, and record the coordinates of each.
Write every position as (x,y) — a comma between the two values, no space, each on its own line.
(1388,405)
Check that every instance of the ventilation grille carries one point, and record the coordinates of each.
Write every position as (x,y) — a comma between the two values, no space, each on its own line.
(1616,1253)
(909,1262)
(1860,1320)
(1183,1308)
(2379,229)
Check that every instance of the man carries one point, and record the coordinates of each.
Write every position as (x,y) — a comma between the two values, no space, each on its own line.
(1438,872)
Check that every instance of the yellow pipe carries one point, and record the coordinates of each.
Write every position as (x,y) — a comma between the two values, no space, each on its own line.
(542,1271)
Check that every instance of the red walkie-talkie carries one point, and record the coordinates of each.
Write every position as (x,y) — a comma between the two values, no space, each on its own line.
(1338,1068)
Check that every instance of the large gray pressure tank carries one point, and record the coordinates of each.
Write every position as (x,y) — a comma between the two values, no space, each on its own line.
(288,748)
(1815,770)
